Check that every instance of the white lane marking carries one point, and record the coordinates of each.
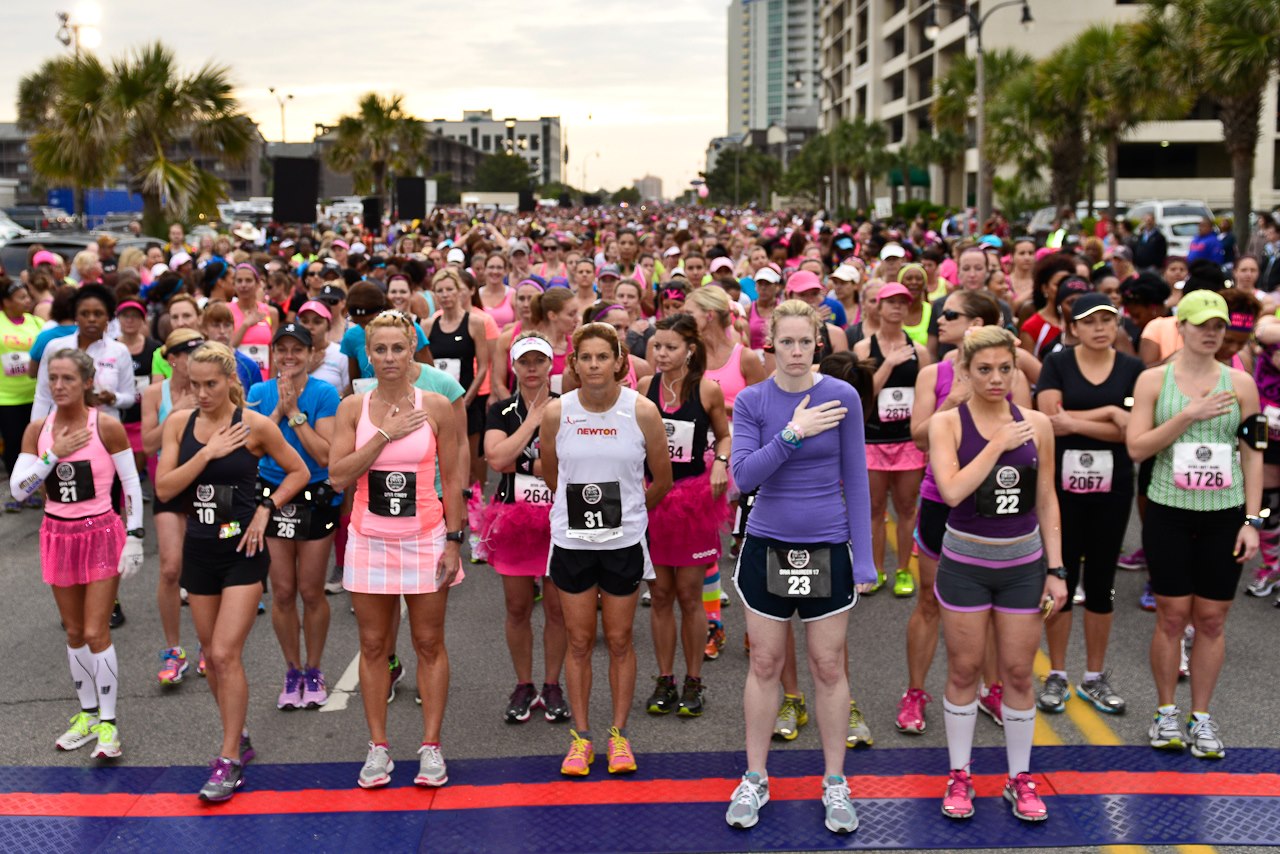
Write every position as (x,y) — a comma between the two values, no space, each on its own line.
(347,684)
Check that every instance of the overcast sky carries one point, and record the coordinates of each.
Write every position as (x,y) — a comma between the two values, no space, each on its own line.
(649,75)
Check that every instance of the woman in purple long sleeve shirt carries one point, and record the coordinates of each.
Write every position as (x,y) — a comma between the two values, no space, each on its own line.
(798,438)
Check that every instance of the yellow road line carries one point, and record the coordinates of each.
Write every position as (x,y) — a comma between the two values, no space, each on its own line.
(1081,712)
(1045,735)
(1195,849)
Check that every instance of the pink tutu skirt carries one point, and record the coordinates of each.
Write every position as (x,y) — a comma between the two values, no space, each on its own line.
(80,551)
(134,432)
(516,537)
(686,526)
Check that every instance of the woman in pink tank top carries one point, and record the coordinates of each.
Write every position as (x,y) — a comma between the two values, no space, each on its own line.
(726,362)
(76,452)
(388,443)
(254,318)
(495,296)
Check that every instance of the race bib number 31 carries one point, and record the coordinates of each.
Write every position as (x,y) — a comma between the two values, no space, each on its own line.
(595,511)
(393,493)
(799,573)
(1087,471)
(1202,466)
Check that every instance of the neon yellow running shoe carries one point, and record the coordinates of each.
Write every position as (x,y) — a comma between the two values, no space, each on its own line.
(903,584)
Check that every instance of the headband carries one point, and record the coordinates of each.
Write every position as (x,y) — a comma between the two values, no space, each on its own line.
(605,311)
(674,293)
(1241,321)
(183,347)
(250,268)
(524,282)
(912,266)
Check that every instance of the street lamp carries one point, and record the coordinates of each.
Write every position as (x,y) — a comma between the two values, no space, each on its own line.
(79,29)
(798,84)
(976,23)
(281,99)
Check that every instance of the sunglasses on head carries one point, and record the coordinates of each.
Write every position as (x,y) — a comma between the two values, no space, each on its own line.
(952,314)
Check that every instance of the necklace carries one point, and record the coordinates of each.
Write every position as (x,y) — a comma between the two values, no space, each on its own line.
(670,388)
(393,405)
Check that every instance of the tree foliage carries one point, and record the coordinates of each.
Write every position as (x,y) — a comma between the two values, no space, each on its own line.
(376,142)
(503,173)
(743,175)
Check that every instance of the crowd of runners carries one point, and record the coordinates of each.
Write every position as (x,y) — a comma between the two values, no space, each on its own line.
(594,404)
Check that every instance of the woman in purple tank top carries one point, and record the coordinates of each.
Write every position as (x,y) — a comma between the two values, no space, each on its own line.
(994,466)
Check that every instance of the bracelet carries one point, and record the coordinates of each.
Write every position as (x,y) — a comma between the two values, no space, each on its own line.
(48,457)
(794,428)
(385,435)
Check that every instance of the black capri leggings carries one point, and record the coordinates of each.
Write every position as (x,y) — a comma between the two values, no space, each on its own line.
(13,423)
(1093,527)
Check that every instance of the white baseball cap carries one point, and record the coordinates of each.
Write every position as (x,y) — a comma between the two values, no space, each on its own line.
(158,270)
(768,274)
(456,256)
(532,344)
(847,273)
(178,259)
(892,250)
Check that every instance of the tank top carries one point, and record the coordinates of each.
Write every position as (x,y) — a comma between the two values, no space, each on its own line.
(396,497)
(1003,507)
(256,343)
(1201,469)
(729,377)
(630,380)
(687,426)
(166,402)
(1267,377)
(80,484)
(1042,332)
(503,313)
(890,419)
(599,501)
(758,328)
(222,494)
(454,351)
(141,378)
(919,332)
(941,388)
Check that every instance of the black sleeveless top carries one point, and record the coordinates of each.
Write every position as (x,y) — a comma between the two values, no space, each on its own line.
(897,398)
(687,429)
(824,345)
(224,492)
(456,345)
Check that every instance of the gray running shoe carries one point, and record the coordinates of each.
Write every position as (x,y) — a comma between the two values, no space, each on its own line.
(1166,732)
(1054,695)
(1205,743)
(432,771)
(227,776)
(1100,694)
(744,808)
(859,733)
(333,584)
(791,716)
(377,768)
(841,816)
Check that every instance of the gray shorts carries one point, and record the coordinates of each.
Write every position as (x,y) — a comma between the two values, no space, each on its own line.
(978,574)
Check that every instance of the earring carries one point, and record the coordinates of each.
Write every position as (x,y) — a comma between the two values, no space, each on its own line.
(687,357)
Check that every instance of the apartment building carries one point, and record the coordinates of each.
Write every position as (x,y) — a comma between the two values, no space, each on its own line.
(536,140)
(772,45)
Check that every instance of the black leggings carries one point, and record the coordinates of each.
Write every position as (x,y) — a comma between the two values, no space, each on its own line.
(13,423)
(1093,527)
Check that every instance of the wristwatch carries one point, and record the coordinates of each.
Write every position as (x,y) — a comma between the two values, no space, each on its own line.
(298,420)
(790,437)
(1254,522)
(268,502)
(722,458)
(455,536)
(139,533)
(1058,572)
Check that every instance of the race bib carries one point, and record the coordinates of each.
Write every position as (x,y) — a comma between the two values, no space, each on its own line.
(679,439)
(15,363)
(1272,414)
(894,403)
(1087,471)
(1007,491)
(364,384)
(140,383)
(72,482)
(532,490)
(290,522)
(557,383)
(452,367)
(799,573)
(211,504)
(1202,466)
(393,493)
(259,353)
(594,510)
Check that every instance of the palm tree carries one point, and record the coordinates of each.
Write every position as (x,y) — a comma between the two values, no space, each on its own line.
(861,154)
(380,139)
(1225,50)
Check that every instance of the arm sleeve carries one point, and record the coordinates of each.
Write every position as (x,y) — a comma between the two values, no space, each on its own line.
(752,463)
(857,493)
(422,336)
(28,473)
(126,390)
(132,487)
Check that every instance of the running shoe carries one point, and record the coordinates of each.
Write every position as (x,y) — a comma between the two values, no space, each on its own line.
(958,800)
(183,595)
(1165,732)
(904,584)
(34,502)
(881,578)
(691,694)
(646,599)
(859,733)
(537,592)
(397,673)
(291,695)
(1133,561)
(432,772)
(664,698)
(841,816)
(1020,792)
(477,553)
(724,599)
(333,584)
(520,704)
(377,768)
(577,762)
(1264,583)
(621,759)
(262,606)
(174,665)
(13,507)
(1077,598)
(792,715)
(227,776)
(1054,694)
(991,701)
(911,711)
(108,746)
(1098,692)
(715,642)
(1147,601)
(247,753)
(555,708)
(201,666)
(744,807)
(117,616)
(314,692)
(1205,743)
(81,732)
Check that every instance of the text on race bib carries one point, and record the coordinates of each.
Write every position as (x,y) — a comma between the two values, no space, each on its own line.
(594,510)
(799,573)
(452,367)
(1007,491)
(393,493)
(15,363)
(532,490)
(290,522)
(1202,465)
(1272,414)
(895,403)
(72,482)
(679,439)
(211,503)
(259,353)
(1087,471)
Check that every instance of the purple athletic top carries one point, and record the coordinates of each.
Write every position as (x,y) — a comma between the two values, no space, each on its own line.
(1021,518)
(941,388)
(816,493)
(1267,377)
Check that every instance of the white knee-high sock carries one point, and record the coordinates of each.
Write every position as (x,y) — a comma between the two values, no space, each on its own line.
(1019,732)
(104,673)
(81,661)
(960,723)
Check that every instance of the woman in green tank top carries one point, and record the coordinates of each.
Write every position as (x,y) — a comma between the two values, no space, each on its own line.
(1202,517)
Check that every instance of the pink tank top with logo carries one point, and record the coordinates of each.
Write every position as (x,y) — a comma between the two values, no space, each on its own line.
(729,376)
(396,497)
(80,484)
(256,343)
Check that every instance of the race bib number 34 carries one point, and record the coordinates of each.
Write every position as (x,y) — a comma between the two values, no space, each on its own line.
(393,493)
(679,439)
(1202,466)
(799,573)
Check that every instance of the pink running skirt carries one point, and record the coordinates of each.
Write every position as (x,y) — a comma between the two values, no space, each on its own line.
(80,551)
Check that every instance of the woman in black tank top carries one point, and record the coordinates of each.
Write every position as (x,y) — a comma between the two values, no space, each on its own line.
(210,456)
(456,337)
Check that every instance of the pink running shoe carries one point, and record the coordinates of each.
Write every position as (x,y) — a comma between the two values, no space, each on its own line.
(1020,791)
(958,800)
(991,703)
(911,711)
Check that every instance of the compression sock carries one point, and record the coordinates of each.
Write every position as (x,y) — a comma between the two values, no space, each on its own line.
(81,661)
(105,672)
(711,594)
(960,723)
(1019,732)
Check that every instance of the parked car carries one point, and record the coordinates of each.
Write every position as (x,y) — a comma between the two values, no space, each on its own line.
(1177,219)
(9,230)
(13,255)
(40,217)
(1042,220)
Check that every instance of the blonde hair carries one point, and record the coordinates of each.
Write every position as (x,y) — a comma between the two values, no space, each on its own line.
(180,336)
(84,261)
(214,353)
(391,319)
(712,298)
(980,338)
(793,308)
(131,257)
(85,367)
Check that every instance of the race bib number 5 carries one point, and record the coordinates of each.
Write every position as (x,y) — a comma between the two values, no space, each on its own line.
(799,573)
(393,493)
(1087,471)
(1202,466)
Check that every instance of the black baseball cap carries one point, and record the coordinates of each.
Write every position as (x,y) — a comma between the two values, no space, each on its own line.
(331,294)
(1091,303)
(296,331)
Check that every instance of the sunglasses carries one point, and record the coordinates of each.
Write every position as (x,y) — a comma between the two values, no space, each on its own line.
(951,314)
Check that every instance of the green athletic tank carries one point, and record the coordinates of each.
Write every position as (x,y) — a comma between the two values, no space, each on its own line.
(1222,429)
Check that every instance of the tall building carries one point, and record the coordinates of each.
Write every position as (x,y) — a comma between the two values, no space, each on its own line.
(881,66)
(650,188)
(536,140)
(771,45)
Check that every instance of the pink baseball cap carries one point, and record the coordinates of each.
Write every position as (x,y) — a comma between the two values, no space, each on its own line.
(721,263)
(803,280)
(893,289)
(133,304)
(318,307)
(44,256)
